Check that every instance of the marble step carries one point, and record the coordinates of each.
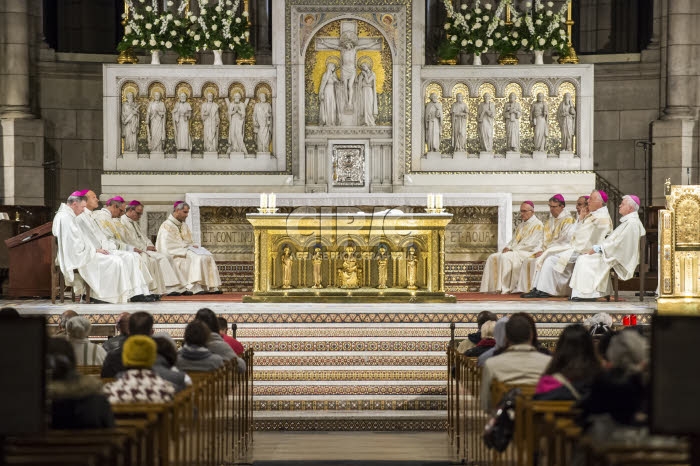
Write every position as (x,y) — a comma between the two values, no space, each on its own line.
(350,373)
(356,344)
(349,402)
(359,387)
(364,420)
(278,331)
(349,358)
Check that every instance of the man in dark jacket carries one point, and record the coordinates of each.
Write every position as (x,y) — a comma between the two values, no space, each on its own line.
(122,327)
(140,323)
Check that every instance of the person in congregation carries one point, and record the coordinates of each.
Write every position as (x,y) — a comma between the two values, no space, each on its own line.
(62,321)
(86,352)
(556,233)
(77,251)
(215,342)
(139,383)
(122,328)
(170,276)
(139,277)
(474,338)
(175,239)
(235,345)
(166,359)
(140,323)
(108,220)
(502,269)
(486,343)
(619,251)
(194,354)
(552,278)
(520,363)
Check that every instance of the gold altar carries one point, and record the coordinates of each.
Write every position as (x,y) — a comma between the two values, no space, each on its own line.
(679,242)
(358,257)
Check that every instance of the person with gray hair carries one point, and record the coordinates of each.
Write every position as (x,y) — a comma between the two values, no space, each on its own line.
(62,321)
(86,352)
(619,251)
(196,264)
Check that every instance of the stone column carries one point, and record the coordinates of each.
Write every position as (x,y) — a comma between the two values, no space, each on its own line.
(262,29)
(681,68)
(21,134)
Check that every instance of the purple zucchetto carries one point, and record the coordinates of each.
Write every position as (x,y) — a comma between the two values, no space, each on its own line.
(80,193)
(134,203)
(530,203)
(116,199)
(559,198)
(603,195)
(634,198)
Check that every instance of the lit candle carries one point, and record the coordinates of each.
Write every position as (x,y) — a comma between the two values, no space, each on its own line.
(263,201)
(438,201)
(431,201)
(272,201)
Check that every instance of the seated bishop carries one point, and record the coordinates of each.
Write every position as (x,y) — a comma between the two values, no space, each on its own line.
(94,234)
(110,277)
(170,275)
(556,234)
(619,251)
(555,267)
(196,265)
(502,269)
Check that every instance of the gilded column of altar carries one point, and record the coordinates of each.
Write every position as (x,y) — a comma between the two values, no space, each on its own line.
(256,264)
(427,270)
(441,265)
(367,268)
(272,271)
(394,263)
(332,276)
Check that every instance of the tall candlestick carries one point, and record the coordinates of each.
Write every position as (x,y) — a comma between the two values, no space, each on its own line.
(438,201)
(263,201)
(272,201)
(431,201)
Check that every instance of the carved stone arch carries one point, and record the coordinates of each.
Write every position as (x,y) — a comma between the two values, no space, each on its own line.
(129,86)
(210,86)
(279,244)
(527,84)
(577,85)
(158,86)
(312,241)
(487,81)
(183,86)
(375,241)
(359,242)
(433,84)
(416,241)
(347,16)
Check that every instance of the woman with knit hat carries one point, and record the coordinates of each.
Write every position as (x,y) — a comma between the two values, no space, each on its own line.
(86,352)
(139,383)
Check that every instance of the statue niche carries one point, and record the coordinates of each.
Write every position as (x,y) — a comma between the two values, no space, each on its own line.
(349,273)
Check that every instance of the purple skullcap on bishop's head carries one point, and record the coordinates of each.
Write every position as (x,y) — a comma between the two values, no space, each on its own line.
(634,198)
(79,193)
(177,203)
(530,203)
(587,197)
(115,198)
(134,203)
(558,197)
(603,196)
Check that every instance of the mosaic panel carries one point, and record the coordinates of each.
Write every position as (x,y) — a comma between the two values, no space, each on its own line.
(349,405)
(392,389)
(325,375)
(350,360)
(439,424)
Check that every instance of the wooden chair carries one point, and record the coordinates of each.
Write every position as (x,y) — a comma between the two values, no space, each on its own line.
(58,281)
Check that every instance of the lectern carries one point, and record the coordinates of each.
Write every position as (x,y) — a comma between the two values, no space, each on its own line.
(30,262)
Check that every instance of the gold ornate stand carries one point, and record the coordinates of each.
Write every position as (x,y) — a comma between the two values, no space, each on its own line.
(679,261)
(363,258)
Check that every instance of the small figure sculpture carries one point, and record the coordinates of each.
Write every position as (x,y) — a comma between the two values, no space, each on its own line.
(411,268)
(347,274)
(512,111)
(566,115)
(460,113)
(367,82)
(156,123)
(433,123)
(317,260)
(182,112)
(130,123)
(382,267)
(484,117)
(236,116)
(211,120)
(287,260)
(262,123)
(328,110)
(539,119)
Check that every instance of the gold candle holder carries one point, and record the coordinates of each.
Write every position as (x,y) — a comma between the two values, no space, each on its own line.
(267,210)
(251,60)
(434,211)
(126,56)
(571,56)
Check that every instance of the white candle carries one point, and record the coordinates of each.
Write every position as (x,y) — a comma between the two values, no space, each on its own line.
(263,201)
(438,202)
(272,200)
(431,201)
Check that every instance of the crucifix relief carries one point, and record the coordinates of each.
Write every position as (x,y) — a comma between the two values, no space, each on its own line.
(348,45)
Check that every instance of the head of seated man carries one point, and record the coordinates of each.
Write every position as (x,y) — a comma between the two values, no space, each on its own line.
(518,331)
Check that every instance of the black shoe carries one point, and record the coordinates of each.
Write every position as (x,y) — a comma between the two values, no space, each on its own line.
(187,293)
(157,297)
(149,298)
(533,293)
(201,292)
(97,301)
(542,294)
(217,292)
(139,298)
(175,293)
(584,300)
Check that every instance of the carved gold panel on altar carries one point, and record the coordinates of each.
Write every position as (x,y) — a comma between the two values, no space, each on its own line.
(361,257)
(679,243)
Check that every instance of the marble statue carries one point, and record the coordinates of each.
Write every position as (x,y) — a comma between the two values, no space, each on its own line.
(156,123)
(236,116)
(539,119)
(317,261)
(367,83)
(182,112)
(411,268)
(262,123)
(382,267)
(485,113)
(566,116)
(130,123)
(433,123)
(347,274)
(460,113)
(512,111)
(211,120)
(287,260)
(328,110)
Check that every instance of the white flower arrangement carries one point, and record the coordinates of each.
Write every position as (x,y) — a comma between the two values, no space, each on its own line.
(469,30)
(544,25)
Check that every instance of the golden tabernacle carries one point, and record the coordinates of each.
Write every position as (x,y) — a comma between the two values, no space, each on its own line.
(349,257)
(679,261)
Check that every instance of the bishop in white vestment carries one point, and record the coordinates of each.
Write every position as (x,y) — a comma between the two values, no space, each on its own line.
(94,234)
(557,232)
(169,273)
(619,251)
(175,239)
(502,269)
(108,275)
(553,276)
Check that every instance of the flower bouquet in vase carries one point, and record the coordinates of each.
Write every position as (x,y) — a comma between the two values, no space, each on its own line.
(223,29)
(467,28)
(143,29)
(181,34)
(544,29)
